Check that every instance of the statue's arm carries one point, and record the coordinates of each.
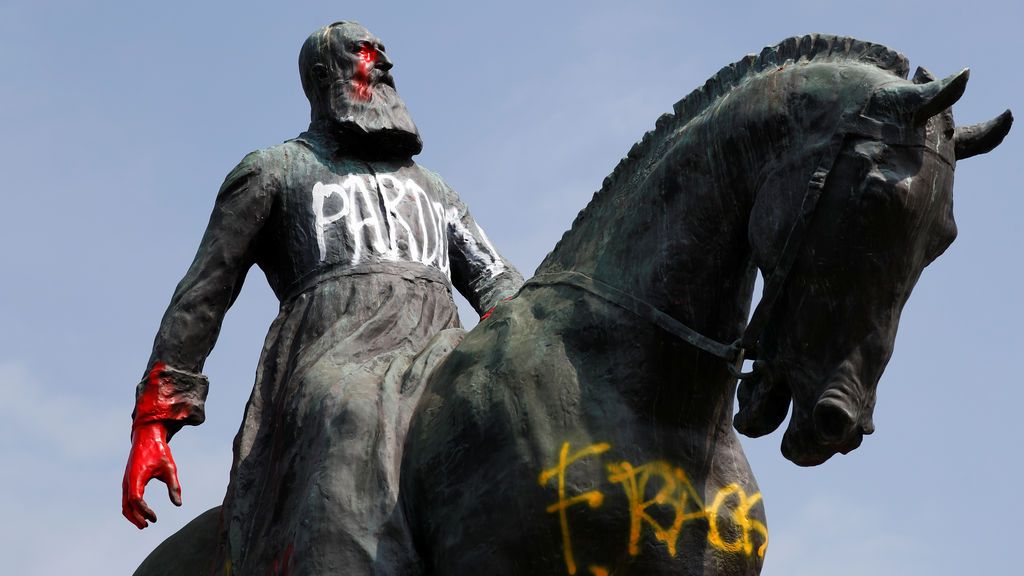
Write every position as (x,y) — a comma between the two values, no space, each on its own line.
(479,271)
(173,391)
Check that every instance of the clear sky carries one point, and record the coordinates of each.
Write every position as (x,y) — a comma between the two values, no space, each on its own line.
(120,119)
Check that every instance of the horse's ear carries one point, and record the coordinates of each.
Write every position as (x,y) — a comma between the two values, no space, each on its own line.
(920,102)
(983,137)
(923,76)
(938,95)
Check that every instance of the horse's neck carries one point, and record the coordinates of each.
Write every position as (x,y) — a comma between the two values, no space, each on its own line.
(671,230)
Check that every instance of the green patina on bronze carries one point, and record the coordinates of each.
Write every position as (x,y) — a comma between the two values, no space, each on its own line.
(572,432)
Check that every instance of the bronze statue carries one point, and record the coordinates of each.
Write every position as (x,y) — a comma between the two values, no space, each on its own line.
(587,427)
(362,246)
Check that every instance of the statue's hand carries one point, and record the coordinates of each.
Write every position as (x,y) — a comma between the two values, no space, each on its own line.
(150,457)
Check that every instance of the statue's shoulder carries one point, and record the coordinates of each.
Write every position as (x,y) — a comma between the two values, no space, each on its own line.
(263,169)
(270,163)
(289,151)
(428,173)
(433,179)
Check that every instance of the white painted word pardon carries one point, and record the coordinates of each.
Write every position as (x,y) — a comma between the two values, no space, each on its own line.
(417,236)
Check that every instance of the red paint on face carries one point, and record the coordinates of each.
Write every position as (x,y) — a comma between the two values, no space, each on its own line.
(366,58)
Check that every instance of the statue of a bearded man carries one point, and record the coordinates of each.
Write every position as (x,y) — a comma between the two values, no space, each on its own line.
(362,247)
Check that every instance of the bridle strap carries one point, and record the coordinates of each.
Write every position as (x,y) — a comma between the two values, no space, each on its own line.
(776,281)
(638,307)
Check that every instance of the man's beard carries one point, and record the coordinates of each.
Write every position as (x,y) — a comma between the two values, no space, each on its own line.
(379,126)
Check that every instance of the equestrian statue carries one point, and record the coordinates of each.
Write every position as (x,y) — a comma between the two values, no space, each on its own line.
(587,426)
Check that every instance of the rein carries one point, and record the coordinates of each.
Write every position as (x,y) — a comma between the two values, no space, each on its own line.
(745,347)
(638,307)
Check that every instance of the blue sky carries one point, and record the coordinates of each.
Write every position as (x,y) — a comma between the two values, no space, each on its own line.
(120,119)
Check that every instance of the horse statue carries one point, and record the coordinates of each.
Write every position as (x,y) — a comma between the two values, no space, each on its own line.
(587,426)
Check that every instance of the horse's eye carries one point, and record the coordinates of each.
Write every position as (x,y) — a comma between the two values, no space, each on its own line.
(878,191)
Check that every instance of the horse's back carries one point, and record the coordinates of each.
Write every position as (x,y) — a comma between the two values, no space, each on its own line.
(188,552)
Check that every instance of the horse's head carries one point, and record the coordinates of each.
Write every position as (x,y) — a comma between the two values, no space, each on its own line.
(884,213)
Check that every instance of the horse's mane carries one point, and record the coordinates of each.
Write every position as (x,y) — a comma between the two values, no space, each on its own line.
(817,47)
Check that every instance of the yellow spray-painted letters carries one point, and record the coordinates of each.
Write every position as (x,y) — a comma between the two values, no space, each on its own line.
(673,492)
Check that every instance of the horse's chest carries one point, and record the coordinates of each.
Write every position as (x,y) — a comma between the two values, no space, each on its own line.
(618,513)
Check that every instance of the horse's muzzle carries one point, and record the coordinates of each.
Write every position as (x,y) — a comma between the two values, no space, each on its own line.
(835,418)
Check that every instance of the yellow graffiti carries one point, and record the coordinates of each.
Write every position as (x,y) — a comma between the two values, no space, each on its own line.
(741,517)
(673,490)
(592,498)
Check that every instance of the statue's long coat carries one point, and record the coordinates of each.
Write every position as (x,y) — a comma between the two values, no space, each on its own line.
(360,254)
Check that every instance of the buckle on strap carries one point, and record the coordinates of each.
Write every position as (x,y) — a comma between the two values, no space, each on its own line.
(736,366)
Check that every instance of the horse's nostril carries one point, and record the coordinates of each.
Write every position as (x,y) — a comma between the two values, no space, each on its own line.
(833,420)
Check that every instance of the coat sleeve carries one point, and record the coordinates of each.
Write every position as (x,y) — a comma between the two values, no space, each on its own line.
(190,325)
(478,270)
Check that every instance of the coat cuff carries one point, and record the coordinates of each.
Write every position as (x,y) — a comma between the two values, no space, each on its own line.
(171,396)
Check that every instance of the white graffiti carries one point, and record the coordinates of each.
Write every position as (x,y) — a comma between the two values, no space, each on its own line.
(497,266)
(421,240)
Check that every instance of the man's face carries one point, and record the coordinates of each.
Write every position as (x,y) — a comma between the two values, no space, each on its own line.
(362,93)
(362,61)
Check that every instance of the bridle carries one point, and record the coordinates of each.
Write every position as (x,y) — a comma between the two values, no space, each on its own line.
(853,124)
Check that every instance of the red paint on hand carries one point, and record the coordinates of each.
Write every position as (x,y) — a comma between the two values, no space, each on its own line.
(150,456)
(154,405)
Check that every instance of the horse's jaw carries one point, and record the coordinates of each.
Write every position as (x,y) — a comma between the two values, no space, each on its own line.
(764,402)
(802,449)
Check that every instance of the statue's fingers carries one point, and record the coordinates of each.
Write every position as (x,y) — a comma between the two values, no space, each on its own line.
(126,508)
(144,510)
(137,512)
(129,512)
(136,492)
(129,496)
(170,477)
